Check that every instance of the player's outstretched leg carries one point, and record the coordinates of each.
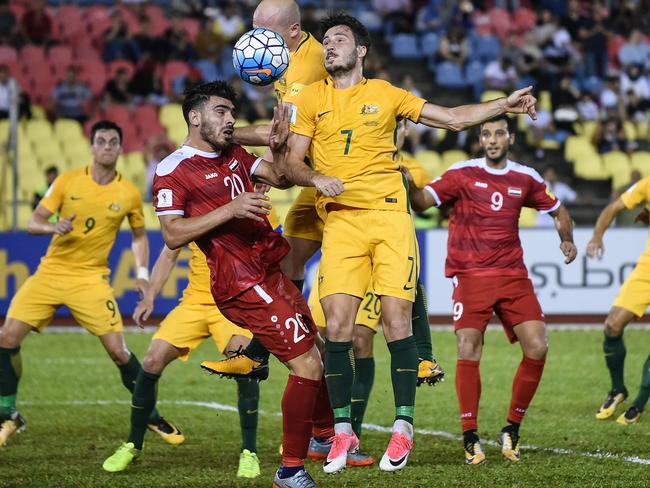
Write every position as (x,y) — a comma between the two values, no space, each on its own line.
(251,363)
(11,335)
(614,350)
(396,318)
(633,414)
(247,403)
(364,377)
(429,371)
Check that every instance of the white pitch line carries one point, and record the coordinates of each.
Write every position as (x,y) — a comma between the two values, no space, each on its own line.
(373,427)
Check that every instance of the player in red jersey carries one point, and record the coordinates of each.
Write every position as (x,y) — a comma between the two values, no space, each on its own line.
(485,262)
(204,192)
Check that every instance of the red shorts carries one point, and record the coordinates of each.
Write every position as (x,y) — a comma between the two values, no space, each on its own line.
(277,314)
(477,298)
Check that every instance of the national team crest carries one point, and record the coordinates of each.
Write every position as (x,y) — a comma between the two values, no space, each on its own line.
(514,192)
(234,165)
(369,109)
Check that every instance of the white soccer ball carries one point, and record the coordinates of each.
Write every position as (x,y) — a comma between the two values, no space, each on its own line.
(260,56)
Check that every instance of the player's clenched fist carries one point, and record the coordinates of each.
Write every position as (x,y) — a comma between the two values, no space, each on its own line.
(595,248)
(64,225)
(329,186)
(569,250)
(250,205)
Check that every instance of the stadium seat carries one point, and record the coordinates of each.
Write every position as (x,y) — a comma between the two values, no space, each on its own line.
(429,44)
(485,48)
(32,56)
(590,167)
(118,64)
(528,217)
(208,69)
(60,55)
(192,27)
(39,131)
(151,221)
(72,27)
(501,22)
(544,101)
(68,130)
(431,162)
(405,46)
(617,164)
(492,95)
(630,130)
(452,156)
(450,75)
(171,71)
(641,160)
(157,18)
(171,114)
(576,146)
(524,20)
(588,128)
(24,214)
(120,114)
(98,20)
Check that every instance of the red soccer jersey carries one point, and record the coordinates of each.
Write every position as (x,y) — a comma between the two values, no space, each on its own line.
(239,253)
(484,224)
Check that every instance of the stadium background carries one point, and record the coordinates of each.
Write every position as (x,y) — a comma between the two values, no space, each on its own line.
(65,65)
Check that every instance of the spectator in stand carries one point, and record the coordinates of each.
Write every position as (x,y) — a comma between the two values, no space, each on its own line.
(50,175)
(309,21)
(500,74)
(146,84)
(175,42)
(158,148)
(36,24)
(144,43)
(632,79)
(429,17)
(24,104)
(250,100)
(610,136)
(397,15)
(594,32)
(636,108)
(635,51)
(208,45)
(630,15)
(454,46)
(610,99)
(9,32)
(188,8)
(184,83)
(70,97)
(117,89)
(587,108)
(229,24)
(561,190)
(118,43)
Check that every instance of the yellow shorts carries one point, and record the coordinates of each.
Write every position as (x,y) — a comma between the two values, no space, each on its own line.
(634,294)
(187,325)
(364,246)
(368,314)
(302,220)
(90,299)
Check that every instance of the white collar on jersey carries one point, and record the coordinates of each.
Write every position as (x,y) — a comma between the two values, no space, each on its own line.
(496,171)
(192,151)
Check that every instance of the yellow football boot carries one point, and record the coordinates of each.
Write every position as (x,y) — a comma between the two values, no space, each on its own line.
(238,366)
(430,372)
(631,416)
(608,407)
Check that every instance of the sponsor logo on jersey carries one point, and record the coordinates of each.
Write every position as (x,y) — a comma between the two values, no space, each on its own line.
(515,192)
(234,165)
(369,109)
(209,176)
(480,184)
(164,198)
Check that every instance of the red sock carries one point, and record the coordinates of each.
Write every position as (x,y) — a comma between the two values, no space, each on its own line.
(297,409)
(468,390)
(323,414)
(524,387)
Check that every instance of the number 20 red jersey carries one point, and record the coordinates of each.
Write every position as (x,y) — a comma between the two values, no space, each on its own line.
(190,182)
(483,235)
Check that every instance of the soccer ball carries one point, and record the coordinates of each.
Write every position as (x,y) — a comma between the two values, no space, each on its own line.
(260,56)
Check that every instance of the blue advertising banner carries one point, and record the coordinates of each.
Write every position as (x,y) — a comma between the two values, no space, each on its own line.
(20,254)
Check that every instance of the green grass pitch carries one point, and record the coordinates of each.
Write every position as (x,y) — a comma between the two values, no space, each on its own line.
(77,413)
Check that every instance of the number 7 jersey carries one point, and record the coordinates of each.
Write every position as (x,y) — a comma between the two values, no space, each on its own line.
(483,235)
(240,252)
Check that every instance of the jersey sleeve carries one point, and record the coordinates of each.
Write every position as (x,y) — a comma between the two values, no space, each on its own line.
(444,188)
(169,195)
(407,105)
(541,198)
(136,214)
(637,193)
(250,161)
(53,198)
(303,112)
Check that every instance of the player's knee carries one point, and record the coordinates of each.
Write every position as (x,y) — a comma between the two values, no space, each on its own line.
(397,328)
(153,364)
(338,328)
(469,348)
(309,365)
(613,326)
(362,346)
(119,355)
(537,350)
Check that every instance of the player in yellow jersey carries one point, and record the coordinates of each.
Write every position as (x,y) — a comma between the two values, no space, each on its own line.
(348,123)
(630,304)
(194,319)
(91,203)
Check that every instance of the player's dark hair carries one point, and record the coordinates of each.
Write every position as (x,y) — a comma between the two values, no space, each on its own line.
(197,95)
(503,117)
(361,34)
(105,125)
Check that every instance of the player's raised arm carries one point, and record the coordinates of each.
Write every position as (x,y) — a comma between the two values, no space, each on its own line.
(595,247)
(266,171)
(464,116)
(159,276)
(420,198)
(252,135)
(564,228)
(39,223)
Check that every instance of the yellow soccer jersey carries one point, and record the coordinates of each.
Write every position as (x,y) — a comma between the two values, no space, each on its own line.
(636,194)
(99,211)
(305,67)
(353,138)
(198,289)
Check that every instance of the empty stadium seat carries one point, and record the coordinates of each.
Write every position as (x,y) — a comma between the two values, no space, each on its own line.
(192,27)
(501,22)
(171,114)
(431,162)
(617,164)
(450,75)
(528,217)
(524,20)
(429,44)
(492,95)
(590,167)
(39,131)
(173,70)
(453,156)
(405,46)
(32,56)
(641,160)
(8,55)
(485,48)
(68,130)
